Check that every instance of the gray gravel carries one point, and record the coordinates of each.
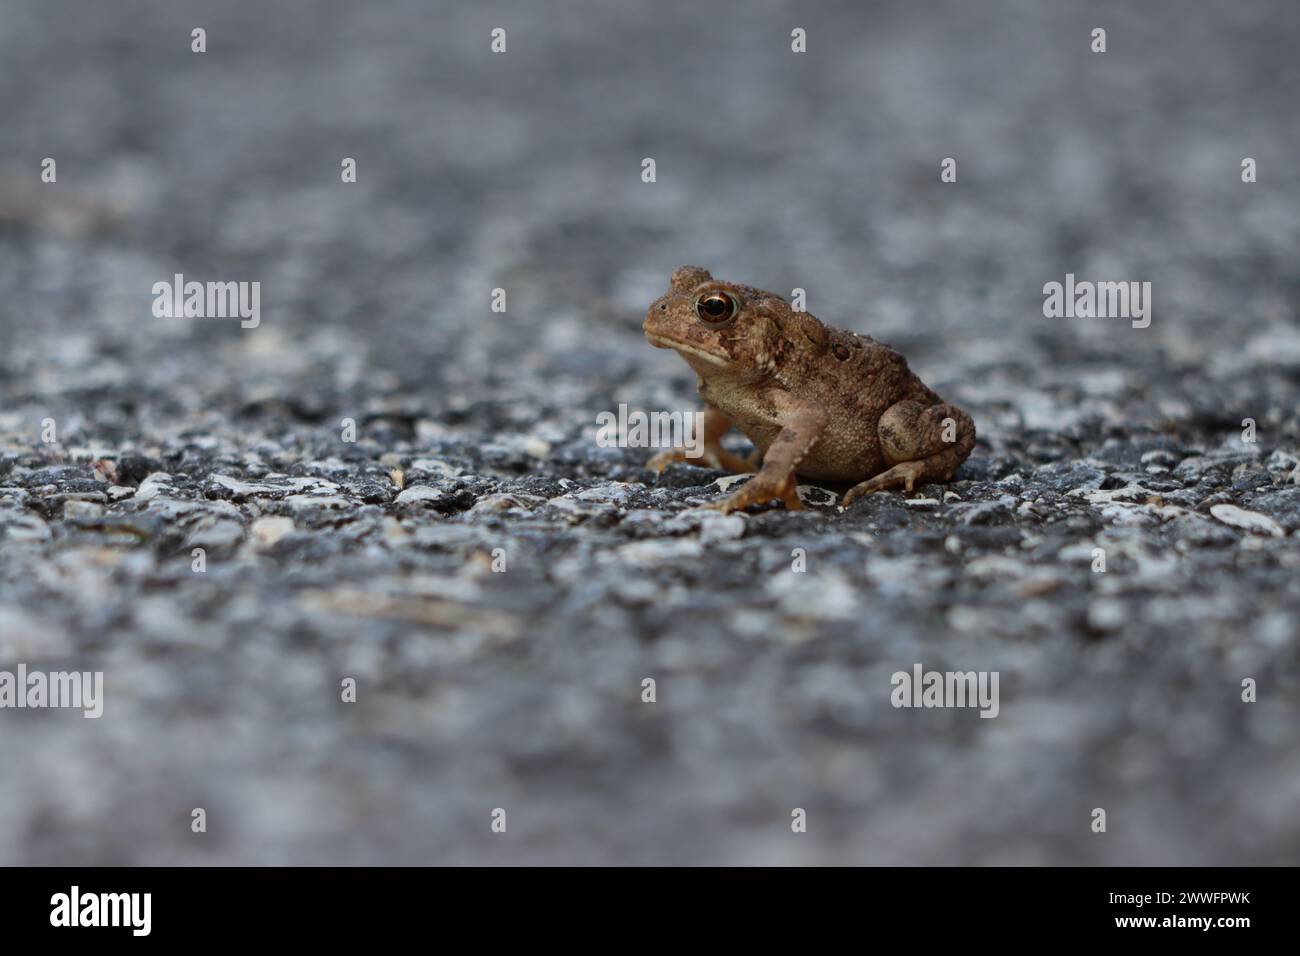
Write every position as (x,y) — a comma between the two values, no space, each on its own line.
(521,690)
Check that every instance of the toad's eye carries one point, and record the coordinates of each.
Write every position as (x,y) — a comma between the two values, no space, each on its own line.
(716,309)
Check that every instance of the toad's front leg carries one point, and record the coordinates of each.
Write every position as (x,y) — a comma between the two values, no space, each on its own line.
(716,424)
(801,425)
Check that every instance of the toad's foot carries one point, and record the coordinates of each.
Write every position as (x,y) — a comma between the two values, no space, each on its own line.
(759,490)
(663,459)
(712,458)
(905,474)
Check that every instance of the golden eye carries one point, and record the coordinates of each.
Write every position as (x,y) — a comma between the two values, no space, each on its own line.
(716,309)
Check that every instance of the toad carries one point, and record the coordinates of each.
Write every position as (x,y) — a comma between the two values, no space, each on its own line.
(819,402)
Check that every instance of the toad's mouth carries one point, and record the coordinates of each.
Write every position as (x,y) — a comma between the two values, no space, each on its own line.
(659,342)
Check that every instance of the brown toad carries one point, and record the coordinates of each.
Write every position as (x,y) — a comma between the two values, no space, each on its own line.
(831,405)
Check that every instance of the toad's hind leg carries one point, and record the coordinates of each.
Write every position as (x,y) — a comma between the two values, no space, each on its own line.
(922,443)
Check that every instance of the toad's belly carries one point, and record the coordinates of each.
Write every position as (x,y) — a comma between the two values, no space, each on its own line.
(841,455)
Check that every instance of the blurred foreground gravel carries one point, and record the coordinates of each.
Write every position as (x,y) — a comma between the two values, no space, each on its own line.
(476,431)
